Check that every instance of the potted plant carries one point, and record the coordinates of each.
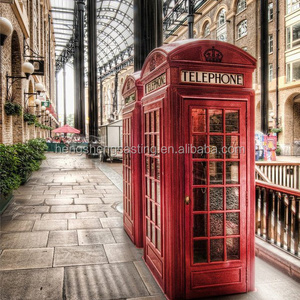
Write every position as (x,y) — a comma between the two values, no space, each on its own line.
(9,108)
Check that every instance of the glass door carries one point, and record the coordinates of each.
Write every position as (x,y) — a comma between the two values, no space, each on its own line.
(215,214)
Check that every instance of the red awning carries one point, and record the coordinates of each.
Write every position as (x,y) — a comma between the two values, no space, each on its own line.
(66,129)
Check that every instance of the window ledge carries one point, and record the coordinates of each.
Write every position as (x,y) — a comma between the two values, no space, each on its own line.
(241,37)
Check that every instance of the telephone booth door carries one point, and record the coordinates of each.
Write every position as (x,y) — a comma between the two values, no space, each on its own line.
(132,168)
(215,210)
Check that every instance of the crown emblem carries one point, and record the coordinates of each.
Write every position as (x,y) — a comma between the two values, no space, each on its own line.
(152,64)
(213,55)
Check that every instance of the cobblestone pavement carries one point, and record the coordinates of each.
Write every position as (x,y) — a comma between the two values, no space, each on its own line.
(62,238)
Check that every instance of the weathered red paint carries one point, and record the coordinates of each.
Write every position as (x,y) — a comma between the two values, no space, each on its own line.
(132,168)
(187,99)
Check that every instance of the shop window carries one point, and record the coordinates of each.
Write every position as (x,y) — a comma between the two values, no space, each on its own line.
(270,12)
(292,5)
(241,5)
(206,29)
(270,43)
(293,71)
(270,72)
(242,29)
(293,36)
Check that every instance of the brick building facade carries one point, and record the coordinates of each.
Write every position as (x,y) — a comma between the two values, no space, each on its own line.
(31,27)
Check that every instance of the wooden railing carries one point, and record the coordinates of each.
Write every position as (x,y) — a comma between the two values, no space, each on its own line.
(277,216)
(280,173)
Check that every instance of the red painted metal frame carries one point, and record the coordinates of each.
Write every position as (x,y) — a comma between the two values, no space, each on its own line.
(169,266)
(132,215)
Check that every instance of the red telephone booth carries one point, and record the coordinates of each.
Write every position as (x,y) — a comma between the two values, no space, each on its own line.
(132,168)
(198,168)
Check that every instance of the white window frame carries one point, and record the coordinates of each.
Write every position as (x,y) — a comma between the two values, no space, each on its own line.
(290,43)
(270,44)
(270,11)
(270,72)
(222,18)
(290,71)
(206,29)
(242,29)
(241,6)
(292,5)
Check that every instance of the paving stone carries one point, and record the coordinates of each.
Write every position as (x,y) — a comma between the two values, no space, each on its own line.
(61,187)
(32,201)
(108,281)
(111,222)
(68,208)
(113,214)
(31,209)
(14,259)
(88,215)
(32,284)
(112,200)
(71,192)
(49,192)
(120,235)
(148,279)
(59,216)
(23,240)
(88,201)
(100,207)
(93,237)
(26,217)
(84,224)
(43,225)
(158,297)
(16,225)
(95,195)
(62,238)
(20,196)
(79,255)
(63,197)
(122,252)
(56,201)
(83,186)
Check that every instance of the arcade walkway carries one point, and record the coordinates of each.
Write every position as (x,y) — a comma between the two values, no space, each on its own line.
(62,238)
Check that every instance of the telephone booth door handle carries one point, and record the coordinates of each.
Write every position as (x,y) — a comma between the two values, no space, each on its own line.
(187,200)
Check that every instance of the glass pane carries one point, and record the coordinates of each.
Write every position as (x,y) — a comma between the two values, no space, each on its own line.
(233,248)
(232,172)
(199,173)
(158,193)
(158,235)
(158,216)
(152,167)
(232,147)
(152,121)
(200,199)
(147,123)
(157,171)
(232,121)
(157,144)
(153,212)
(148,187)
(215,120)
(232,198)
(216,225)
(216,198)
(153,235)
(199,146)
(148,228)
(216,146)
(148,207)
(153,189)
(232,223)
(198,120)
(147,165)
(200,225)
(217,250)
(200,252)
(216,172)
(157,121)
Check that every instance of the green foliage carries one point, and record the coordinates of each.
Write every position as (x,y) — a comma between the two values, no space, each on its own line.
(18,161)
(9,162)
(30,118)
(18,109)
(278,150)
(276,130)
(9,108)
(12,109)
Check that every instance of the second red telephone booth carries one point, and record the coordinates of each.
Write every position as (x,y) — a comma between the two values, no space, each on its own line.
(198,168)
(132,168)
